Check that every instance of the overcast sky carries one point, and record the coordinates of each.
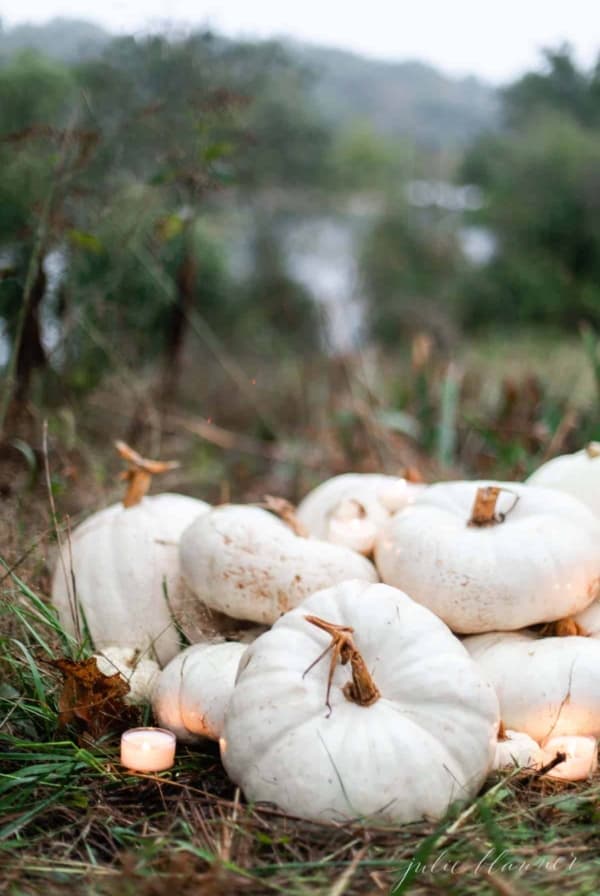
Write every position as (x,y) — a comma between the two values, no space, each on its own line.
(497,39)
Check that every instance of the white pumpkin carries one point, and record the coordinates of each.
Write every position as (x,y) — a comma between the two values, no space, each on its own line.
(531,558)
(517,749)
(403,729)
(193,690)
(576,474)
(373,495)
(546,686)
(246,563)
(140,672)
(125,562)
(118,572)
(350,526)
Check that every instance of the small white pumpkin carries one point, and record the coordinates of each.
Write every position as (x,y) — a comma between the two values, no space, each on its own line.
(404,726)
(546,686)
(370,497)
(193,690)
(493,556)
(140,672)
(246,563)
(576,474)
(516,749)
(124,561)
(351,527)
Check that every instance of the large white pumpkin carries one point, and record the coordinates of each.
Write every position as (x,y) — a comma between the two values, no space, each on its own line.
(426,738)
(246,563)
(193,690)
(546,686)
(537,561)
(576,474)
(125,561)
(375,494)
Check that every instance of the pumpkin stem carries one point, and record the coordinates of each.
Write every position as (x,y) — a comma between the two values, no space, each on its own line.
(413,474)
(139,473)
(592,449)
(484,507)
(286,512)
(502,731)
(563,628)
(362,689)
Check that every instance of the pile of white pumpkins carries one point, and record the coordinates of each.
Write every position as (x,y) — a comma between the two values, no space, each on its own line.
(374,654)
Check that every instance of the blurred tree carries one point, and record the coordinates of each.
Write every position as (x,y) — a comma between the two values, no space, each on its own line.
(276,312)
(39,149)
(363,160)
(541,177)
(561,87)
(411,266)
(122,183)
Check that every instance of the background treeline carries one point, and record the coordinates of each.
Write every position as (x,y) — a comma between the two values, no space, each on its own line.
(149,187)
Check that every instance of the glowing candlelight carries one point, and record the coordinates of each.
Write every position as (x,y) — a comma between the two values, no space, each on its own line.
(581,753)
(350,526)
(148,749)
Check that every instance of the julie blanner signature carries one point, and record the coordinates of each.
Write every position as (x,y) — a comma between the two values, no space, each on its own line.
(501,863)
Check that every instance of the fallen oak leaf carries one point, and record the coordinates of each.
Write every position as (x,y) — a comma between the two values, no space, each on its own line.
(91,700)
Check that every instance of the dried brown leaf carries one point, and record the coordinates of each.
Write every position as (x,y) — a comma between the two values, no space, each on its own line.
(91,700)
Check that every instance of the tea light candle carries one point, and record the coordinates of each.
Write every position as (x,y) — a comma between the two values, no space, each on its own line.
(148,749)
(581,761)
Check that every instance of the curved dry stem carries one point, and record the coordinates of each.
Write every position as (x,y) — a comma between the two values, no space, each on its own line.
(139,472)
(286,512)
(362,689)
(563,628)
(484,507)
(413,474)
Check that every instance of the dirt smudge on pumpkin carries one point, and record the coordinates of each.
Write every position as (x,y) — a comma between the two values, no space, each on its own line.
(283,603)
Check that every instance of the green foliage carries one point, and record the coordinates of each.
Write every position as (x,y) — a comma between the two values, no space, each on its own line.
(363,160)
(34,91)
(274,312)
(128,150)
(562,88)
(541,181)
(397,99)
(540,177)
(35,97)
(411,265)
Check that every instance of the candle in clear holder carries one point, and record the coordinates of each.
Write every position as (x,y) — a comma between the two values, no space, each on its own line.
(581,757)
(148,749)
